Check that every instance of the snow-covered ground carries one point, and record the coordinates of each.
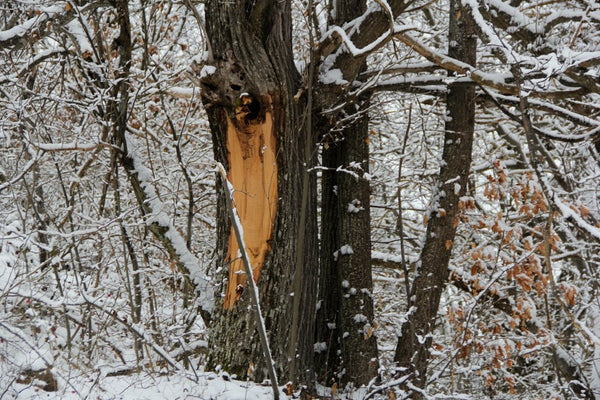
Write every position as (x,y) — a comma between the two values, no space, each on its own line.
(146,386)
(155,386)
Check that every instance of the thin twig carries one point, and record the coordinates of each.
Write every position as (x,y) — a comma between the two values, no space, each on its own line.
(400,226)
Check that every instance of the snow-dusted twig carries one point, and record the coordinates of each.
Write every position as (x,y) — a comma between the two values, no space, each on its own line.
(386,386)
(24,170)
(28,344)
(239,235)
(136,329)
(550,194)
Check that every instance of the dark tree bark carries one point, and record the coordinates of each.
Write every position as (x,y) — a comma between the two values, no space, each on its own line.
(251,43)
(416,337)
(345,330)
(346,344)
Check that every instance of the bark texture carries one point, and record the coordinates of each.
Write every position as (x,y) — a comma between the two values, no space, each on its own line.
(251,44)
(252,55)
(346,342)
(416,335)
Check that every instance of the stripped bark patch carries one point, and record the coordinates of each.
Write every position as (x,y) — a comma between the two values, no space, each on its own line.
(251,145)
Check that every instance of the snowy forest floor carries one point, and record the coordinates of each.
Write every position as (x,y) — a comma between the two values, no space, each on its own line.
(112,382)
(146,386)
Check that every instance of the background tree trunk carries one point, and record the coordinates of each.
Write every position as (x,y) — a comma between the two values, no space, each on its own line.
(346,344)
(251,41)
(346,340)
(416,336)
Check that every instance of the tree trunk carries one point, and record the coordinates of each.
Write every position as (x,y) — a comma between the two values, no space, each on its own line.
(346,345)
(259,135)
(416,336)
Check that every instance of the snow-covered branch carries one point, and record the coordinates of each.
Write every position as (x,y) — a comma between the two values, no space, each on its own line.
(369,48)
(23,30)
(60,13)
(168,233)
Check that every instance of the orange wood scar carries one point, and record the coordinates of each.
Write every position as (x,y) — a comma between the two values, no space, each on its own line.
(253,174)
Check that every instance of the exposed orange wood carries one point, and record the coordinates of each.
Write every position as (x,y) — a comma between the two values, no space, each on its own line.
(253,174)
